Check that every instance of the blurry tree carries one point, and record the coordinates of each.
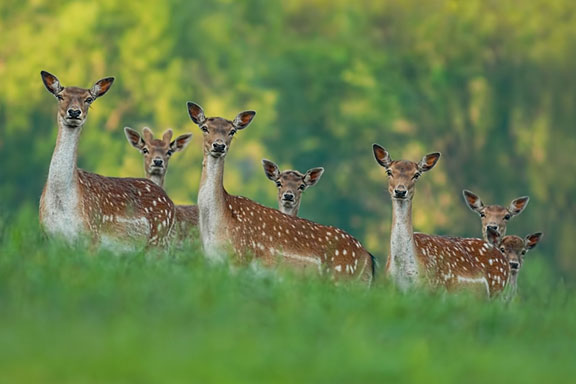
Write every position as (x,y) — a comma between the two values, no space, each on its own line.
(490,84)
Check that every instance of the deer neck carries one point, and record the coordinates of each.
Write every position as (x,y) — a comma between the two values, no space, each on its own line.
(403,260)
(289,211)
(60,200)
(212,205)
(157,179)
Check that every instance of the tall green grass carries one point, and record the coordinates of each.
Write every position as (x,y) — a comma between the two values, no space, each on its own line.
(72,315)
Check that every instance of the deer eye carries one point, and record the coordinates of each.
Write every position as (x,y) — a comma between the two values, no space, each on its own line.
(523,252)
(301,187)
(232,132)
(502,249)
(204,128)
(389,172)
(89,100)
(416,175)
(169,153)
(507,217)
(278,184)
(145,150)
(60,97)
(482,215)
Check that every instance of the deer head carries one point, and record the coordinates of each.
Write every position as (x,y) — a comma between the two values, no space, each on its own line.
(513,247)
(495,216)
(291,184)
(402,174)
(73,102)
(156,152)
(218,132)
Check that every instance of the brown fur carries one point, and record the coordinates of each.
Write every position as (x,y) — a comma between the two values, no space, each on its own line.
(248,229)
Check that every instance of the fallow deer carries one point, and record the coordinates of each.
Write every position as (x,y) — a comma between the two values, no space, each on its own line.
(157,154)
(76,203)
(494,216)
(437,260)
(245,228)
(514,249)
(290,185)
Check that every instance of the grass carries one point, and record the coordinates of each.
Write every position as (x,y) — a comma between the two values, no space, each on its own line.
(69,315)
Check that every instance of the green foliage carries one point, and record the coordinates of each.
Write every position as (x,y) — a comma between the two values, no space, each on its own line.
(68,315)
(488,83)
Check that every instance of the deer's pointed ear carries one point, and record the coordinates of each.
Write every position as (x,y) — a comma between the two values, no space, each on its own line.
(101,86)
(51,83)
(196,113)
(532,240)
(134,138)
(167,136)
(493,237)
(243,119)
(473,201)
(517,205)
(428,162)
(181,142)
(271,170)
(148,134)
(312,176)
(382,156)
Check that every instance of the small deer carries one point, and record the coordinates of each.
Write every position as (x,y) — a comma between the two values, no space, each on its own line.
(514,248)
(450,262)
(245,228)
(290,185)
(76,203)
(494,216)
(157,154)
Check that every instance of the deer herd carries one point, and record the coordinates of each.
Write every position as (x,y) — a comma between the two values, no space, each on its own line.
(128,213)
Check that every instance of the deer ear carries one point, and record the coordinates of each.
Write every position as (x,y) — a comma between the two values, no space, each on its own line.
(382,156)
(101,87)
(428,162)
(517,205)
(271,169)
(532,240)
(313,175)
(243,119)
(493,237)
(196,113)
(181,142)
(148,135)
(473,201)
(51,82)
(134,138)
(167,136)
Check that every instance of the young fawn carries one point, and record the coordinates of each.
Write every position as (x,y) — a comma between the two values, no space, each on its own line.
(157,154)
(76,203)
(246,228)
(494,216)
(514,248)
(440,261)
(290,185)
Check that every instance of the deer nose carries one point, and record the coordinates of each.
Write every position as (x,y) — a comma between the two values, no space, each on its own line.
(158,162)
(288,197)
(514,265)
(400,192)
(217,147)
(492,227)
(74,113)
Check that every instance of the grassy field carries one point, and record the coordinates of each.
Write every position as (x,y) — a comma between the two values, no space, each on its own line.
(74,316)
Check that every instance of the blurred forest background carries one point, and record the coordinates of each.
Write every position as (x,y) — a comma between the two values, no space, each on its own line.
(490,84)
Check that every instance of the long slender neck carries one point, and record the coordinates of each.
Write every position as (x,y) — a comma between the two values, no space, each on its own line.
(403,261)
(62,175)
(212,205)
(289,211)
